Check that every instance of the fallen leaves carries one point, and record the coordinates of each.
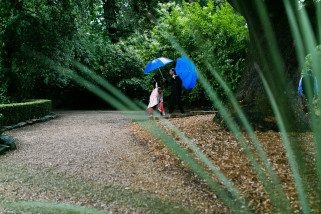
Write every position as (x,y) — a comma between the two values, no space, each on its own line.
(224,151)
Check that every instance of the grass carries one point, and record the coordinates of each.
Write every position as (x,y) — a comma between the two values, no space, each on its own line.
(47,183)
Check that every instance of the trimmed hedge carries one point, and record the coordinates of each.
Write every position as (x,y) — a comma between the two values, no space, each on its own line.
(20,112)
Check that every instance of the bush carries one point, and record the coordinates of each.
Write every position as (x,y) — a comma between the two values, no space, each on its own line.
(210,34)
(19,112)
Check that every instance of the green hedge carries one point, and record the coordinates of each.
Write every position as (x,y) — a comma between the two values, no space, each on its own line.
(19,112)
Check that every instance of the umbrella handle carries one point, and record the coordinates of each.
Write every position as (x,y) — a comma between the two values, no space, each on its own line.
(161,73)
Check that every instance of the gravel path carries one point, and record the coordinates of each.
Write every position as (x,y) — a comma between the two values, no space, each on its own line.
(90,159)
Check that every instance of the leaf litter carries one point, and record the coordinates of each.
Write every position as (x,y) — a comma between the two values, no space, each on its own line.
(221,147)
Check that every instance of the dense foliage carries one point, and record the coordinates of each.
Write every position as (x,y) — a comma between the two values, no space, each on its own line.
(115,39)
(33,28)
(214,35)
(209,34)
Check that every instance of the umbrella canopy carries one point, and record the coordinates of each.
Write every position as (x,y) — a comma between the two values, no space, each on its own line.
(186,70)
(156,63)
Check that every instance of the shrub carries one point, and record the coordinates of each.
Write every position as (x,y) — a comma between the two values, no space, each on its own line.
(210,34)
(18,112)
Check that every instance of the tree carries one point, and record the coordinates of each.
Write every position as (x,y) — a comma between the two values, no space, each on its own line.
(211,35)
(110,15)
(31,28)
(252,84)
(124,17)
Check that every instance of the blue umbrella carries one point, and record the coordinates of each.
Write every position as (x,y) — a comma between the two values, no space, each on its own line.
(156,63)
(186,70)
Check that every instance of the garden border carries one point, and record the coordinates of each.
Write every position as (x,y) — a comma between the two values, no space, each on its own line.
(30,122)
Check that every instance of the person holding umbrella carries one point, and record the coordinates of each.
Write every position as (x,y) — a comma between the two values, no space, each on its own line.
(176,92)
(156,97)
(184,75)
(156,101)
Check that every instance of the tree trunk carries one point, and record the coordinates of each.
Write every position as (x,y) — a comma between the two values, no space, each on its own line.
(260,60)
(283,89)
(110,16)
(10,47)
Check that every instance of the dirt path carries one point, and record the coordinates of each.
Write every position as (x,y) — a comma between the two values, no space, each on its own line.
(91,159)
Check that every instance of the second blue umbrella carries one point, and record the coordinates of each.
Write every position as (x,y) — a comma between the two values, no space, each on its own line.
(186,70)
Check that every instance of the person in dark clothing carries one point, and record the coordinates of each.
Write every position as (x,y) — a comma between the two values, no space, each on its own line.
(176,92)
